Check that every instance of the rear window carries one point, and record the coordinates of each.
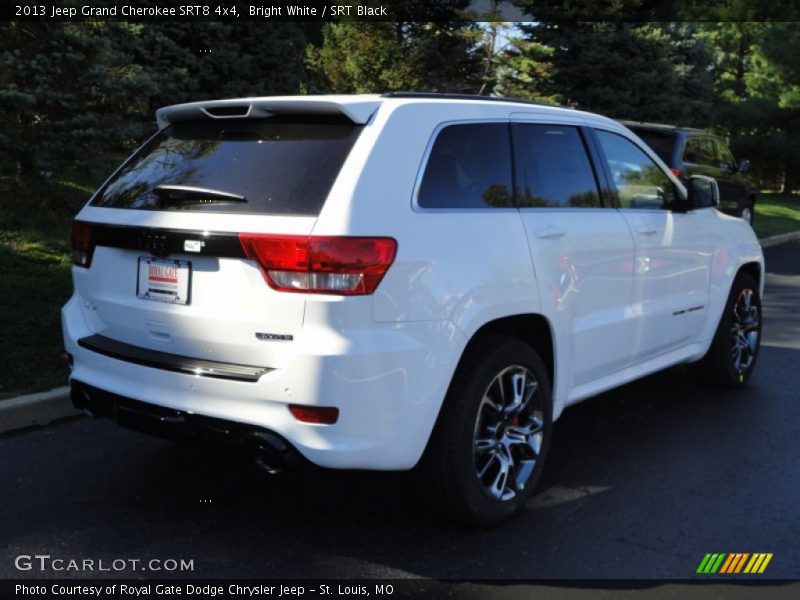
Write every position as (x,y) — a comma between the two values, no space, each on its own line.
(661,142)
(271,166)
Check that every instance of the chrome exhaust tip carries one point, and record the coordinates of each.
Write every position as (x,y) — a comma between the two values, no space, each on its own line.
(267,451)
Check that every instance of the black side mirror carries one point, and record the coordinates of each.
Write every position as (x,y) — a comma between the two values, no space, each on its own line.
(744,166)
(703,191)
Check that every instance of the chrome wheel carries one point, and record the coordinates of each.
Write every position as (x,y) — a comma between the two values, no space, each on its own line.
(745,330)
(509,430)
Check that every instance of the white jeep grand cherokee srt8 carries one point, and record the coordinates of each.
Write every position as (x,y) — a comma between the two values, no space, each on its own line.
(399,281)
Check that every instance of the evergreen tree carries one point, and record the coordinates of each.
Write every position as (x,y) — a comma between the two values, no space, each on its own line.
(692,60)
(209,60)
(644,72)
(66,89)
(773,84)
(381,57)
(72,91)
(523,68)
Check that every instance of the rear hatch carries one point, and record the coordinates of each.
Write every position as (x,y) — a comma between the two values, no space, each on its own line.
(159,252)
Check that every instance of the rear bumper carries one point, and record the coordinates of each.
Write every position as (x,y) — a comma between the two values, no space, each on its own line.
(388,384)
(164,422)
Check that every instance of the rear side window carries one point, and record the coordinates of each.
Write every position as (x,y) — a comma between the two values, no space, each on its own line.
(661,142)
(271,166)
(700,151)
(724,156)
(553,168)
(469,167)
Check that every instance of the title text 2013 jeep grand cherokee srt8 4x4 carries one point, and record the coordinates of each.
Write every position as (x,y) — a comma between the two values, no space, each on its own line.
(397,282)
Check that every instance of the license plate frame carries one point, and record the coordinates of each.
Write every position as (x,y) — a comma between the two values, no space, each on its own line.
(162,284)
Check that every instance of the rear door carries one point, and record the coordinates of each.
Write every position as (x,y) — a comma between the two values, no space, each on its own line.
(582,250)
(168,270)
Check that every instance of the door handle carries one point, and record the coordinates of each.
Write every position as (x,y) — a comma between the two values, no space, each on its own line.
(550,232)
(647,229)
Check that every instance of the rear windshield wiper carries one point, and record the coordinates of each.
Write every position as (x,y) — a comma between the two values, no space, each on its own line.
(187,193)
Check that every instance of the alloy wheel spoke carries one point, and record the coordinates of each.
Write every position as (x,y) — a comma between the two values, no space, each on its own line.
(501,479)
(751,339)
(524,389)
(532,427)
(518,390)
(484,445)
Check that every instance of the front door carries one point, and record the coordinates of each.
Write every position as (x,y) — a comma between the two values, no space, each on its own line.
(673,250)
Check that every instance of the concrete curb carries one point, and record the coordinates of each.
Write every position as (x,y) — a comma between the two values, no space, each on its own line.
(780,239)
(36,409)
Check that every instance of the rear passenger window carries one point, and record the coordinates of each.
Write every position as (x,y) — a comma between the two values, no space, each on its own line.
(724,156)
(553,168)
(469,167)
(700,151)
(639,181)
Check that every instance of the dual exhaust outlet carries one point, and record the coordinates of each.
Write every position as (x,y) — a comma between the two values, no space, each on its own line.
(267,450)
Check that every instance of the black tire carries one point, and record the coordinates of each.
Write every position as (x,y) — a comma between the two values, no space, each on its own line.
(447,475)
(719,366)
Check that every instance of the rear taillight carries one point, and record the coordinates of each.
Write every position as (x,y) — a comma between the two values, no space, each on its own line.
(348,266)
(676,172)
(82,244)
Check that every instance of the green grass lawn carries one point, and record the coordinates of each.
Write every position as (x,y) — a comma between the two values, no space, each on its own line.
(35,275)
(776,214)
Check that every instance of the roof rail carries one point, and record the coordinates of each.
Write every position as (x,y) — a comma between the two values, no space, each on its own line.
(648,125)
(447,96)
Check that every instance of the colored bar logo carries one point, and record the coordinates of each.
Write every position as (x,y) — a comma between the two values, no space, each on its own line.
(734,563)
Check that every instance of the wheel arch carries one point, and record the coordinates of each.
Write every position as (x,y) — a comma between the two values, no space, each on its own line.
(754,270)
(532,328)
(721,289)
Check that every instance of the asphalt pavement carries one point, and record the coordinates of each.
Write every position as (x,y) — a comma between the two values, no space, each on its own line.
(641,483)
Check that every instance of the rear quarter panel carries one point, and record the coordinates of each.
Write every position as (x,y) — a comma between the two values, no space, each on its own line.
(468,266)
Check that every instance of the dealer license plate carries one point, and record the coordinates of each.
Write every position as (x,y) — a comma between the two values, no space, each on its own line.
(164,280)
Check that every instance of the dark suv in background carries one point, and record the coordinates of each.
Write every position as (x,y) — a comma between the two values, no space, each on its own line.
(696,152)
